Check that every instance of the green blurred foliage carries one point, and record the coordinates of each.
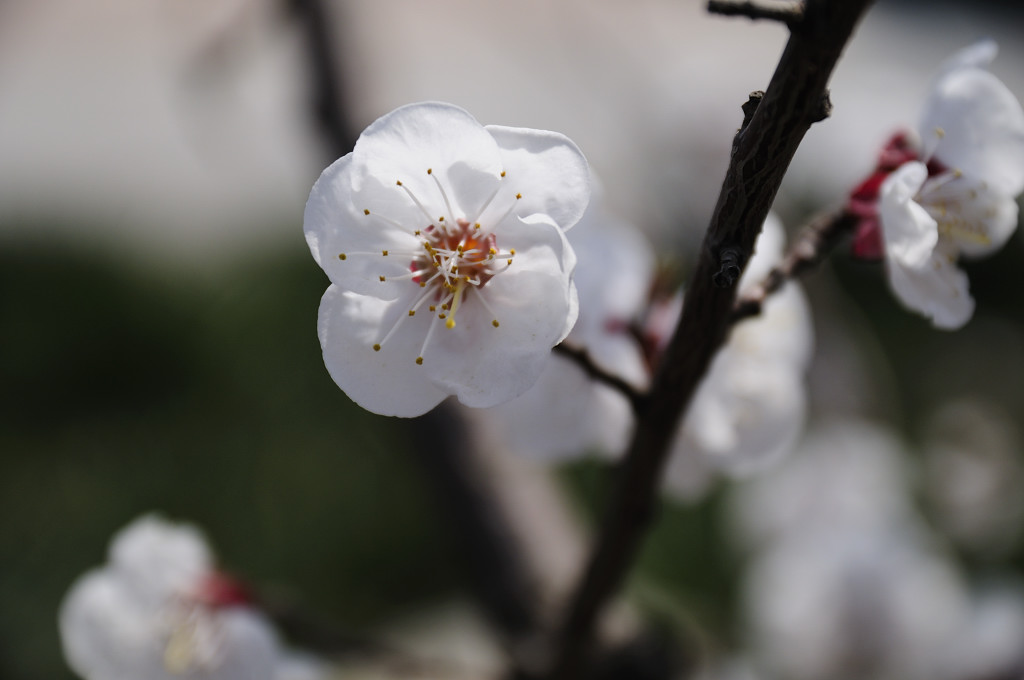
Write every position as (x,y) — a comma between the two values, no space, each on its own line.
(124,391)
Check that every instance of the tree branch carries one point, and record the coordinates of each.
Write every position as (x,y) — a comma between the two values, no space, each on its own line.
(787,12)
(582,359)
(813,245)
(761,155)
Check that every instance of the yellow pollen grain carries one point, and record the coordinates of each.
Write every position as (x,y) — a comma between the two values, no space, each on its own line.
(376,348)
(449,324)
(419,361)
(342,256)
(495,323)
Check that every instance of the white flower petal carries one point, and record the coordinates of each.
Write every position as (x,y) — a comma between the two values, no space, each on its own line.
(972,215)
(404,144)
(768,252)
(160,557)
(349,244)
(909,232)
(548,170)
(981,53)
(938,289)
(484,365)
(982,128)
(387,382)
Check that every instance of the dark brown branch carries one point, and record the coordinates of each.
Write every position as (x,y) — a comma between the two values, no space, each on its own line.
(761,155)
(785,11)
(329,97)
(813,245)
(582,359)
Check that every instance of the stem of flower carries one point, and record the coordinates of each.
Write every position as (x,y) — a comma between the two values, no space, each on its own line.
(582,359)
(761,155)
(814,244)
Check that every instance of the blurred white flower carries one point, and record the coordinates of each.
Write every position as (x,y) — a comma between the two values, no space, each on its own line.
(973,476)
(952,193)
(450,272)
(990,640)
(846,476)
(852,605)
(158,610)
(566,413)
(750,407)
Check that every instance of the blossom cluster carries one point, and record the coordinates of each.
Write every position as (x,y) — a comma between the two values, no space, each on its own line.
(948,191)
(160,610)
(450,271)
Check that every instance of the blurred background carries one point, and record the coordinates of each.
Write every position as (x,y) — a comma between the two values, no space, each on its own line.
(158,302)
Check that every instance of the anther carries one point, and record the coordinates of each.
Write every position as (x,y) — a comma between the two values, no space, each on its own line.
(433,308)
(442,315)
(419,361)
(342,256)
(412,312)
(384,253)
(495,323)
(476,226)
(430,171)
(502,173)
(382,278)
(399,182)
(376,348)
(518,196)
(366,211)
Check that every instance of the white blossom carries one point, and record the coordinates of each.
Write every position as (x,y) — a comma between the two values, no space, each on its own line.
(450,272)
(958,197)
(750,407)
(566,413)
(158,610)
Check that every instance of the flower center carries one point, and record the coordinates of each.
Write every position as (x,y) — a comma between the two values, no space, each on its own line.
(456,258)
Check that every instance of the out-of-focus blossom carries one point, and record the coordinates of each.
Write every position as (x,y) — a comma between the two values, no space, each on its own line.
(949,193)
(450,272)
(566,413)
(844,582)
(990,640)
(158,610)
(856,605)
(750,407)
(973,476)
(846,476)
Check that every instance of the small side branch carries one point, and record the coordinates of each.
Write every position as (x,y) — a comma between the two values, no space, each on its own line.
(582,359)
(789,12)
(813,245)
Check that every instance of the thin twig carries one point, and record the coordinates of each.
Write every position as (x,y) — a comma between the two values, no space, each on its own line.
(759,161)
(784,11)
(583,359)
(813,245)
